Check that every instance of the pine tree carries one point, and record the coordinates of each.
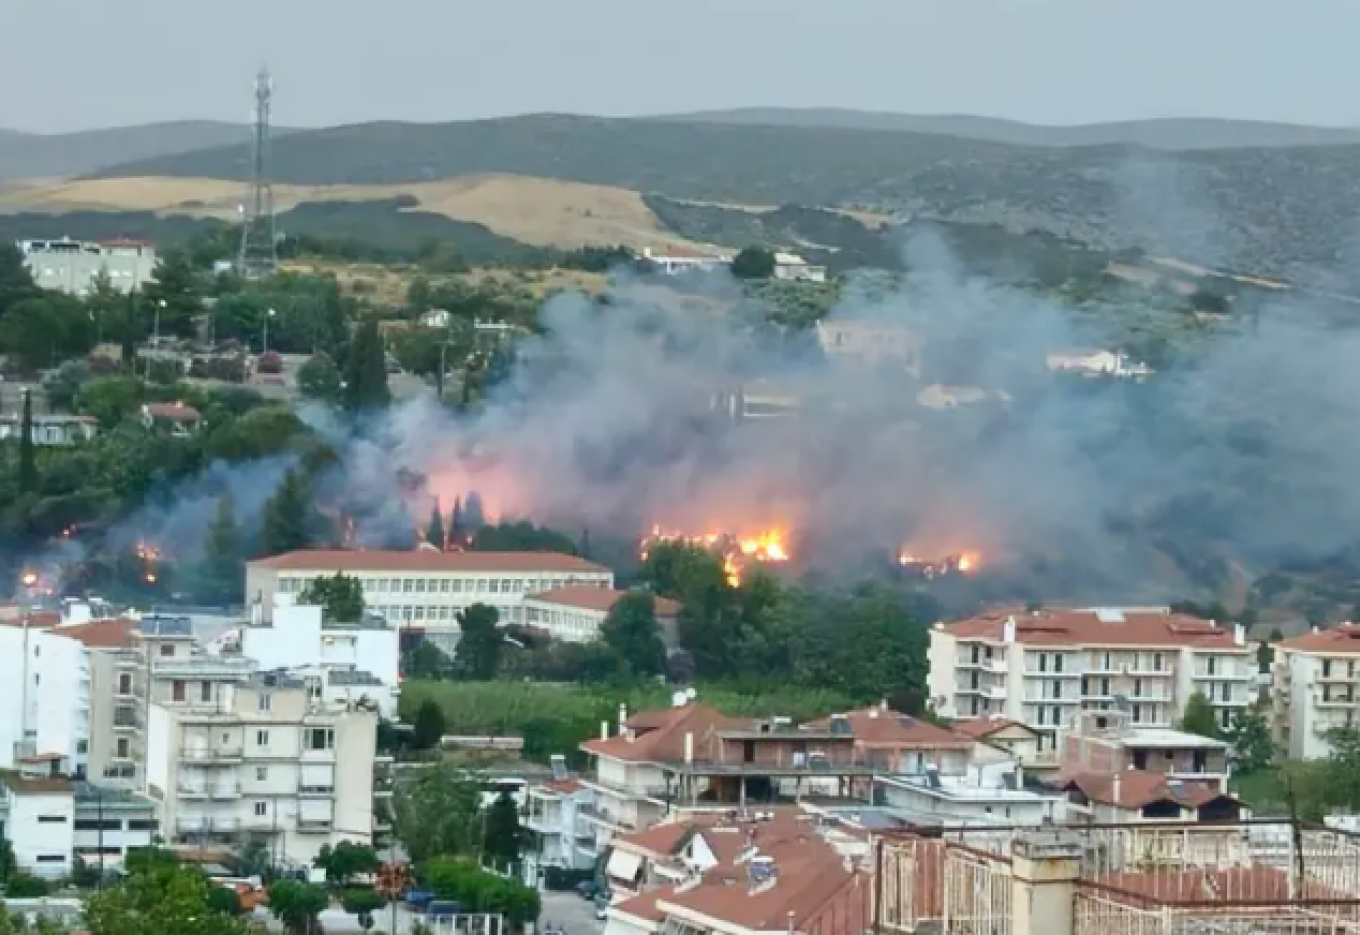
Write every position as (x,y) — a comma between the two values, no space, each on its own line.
(28,465)
(366,370)
(289,521)
(474,517)
(457,528)
(223,556)
(505,837)
(434,534)
(130,333)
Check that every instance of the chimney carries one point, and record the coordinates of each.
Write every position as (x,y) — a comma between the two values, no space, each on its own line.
(1008,630)
(689,746)
(1239,634)
(623,717)
(604,730)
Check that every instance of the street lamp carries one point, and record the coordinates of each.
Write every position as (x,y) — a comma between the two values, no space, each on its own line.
(264,342)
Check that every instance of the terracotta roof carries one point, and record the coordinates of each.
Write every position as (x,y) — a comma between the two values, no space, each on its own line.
(1338,640)
(429,560)
(1070,627)
(586,597)
(175,412)
(1257,883)
(980,728)
(562,786)
(659,840)
(38,619)
(881,727)
(23,785)
(644,905)
(98,634)
(1139,788)
(658,737)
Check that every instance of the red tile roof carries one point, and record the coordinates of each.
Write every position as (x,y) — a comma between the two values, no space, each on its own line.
(37,620)
(174,412)
(427,560)
(98,634)
(562,786)
(1070,627)
(1139,788)
(659,736)
(644,905)
(1338,640)
(1257,883)
(881,727)
(586,597)
(659,840)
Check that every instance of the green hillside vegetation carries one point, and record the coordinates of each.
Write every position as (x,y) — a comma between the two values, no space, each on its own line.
(1265,209)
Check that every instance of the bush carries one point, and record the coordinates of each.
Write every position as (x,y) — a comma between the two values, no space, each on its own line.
(26,886)
(229,369)
(269,362)
(476,890)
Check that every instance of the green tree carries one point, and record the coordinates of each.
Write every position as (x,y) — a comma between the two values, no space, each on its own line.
(515,537)
(428,728)
(16,282)
(225,901)
(289,518)
(366,370)
(319,379)
(131,332)
(345,861)
(21,885)
(164,899)
(476,890)
(753,263)
(1342,782)
(42,332)
(479,641)
(28,465)
(175,297)
(340,597)
(222,568)
(1199,717)
(297,905)
(7,862)
(362,904)
(111,399)
(425,661)
(707,623)
(505,836)
(630,629)
(1253,749)
(438,813)
(434,533)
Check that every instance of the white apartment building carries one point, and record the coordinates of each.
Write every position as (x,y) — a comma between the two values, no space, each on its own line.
(47,683)
(73,266)
(1042,668)
(1314,689)
(426,589)
(263,759)
(562,837)
(793,267)
(987,795)
(352,661)
(574,614)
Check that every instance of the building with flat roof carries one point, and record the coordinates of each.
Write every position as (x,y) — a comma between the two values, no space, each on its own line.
(574,614)
(74,266)
(1315,688)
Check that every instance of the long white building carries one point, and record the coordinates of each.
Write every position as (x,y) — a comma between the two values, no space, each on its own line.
(425,589)
(1043,668)
(1315,688)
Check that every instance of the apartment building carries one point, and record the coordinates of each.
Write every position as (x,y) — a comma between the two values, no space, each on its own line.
(993,794)
(1043,667)
(1136,795)
(426,589)
(1107,742)
(262,759)
(50,682)
(575,614)
(1315,688)
(50,429)
(554,817)
(352,661)
(74,266)
(690,759)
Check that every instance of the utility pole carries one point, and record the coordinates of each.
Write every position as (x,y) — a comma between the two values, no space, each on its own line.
(259,256)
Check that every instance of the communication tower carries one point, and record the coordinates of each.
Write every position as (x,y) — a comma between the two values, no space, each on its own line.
(259,249)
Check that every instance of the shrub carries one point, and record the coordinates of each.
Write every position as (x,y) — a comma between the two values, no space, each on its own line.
(269,362)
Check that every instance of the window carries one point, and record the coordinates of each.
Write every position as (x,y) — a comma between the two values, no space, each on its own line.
(420,585)
(266,702)
(1213,665)
(261,809)
(262,738)
(407,585)
(125,684)
(444,586)
(51,819)
(1157,662)
(1057,663)
(141,824)
(167,649)
(51,858)
(320,738)
(205,691)
(177,690)
(1326,668)
(123,751)
(91,824)
(82,747)
(261,773)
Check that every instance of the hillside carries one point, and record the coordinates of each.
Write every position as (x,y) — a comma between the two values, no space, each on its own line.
(36,155)
(539,212)
(1174,133)
(1273,210)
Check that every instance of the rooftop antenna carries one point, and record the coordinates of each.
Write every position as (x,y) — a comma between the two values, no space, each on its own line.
(259,250)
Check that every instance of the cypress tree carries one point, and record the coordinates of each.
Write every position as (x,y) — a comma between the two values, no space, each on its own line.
(366,370)
(434,534)
(288,517)
(130,333)
(28,465)
(223,556)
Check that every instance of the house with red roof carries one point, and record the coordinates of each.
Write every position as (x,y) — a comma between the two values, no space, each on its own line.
(575,613)
(1313,689)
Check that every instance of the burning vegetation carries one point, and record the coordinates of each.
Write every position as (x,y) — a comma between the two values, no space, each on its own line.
(738,551)
(961,563)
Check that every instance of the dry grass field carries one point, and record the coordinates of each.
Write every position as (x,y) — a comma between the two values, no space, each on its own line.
(542,212)
(388,284)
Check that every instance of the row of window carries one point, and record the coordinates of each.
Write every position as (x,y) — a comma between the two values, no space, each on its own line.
(448,585)
(114,824)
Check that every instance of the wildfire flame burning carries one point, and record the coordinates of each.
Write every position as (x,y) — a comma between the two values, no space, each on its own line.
(738,551)
(961,563)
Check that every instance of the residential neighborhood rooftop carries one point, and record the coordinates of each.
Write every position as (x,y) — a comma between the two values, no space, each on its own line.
(1100,626)
(426,560)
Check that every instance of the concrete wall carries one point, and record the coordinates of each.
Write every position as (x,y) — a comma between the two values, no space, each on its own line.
(39,827)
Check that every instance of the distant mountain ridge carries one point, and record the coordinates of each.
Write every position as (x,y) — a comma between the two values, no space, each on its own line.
(1170,133)
(56,155)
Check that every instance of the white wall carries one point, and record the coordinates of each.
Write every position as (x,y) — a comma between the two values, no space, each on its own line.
(13,720)
(62,690)
(160,747)
(40,828)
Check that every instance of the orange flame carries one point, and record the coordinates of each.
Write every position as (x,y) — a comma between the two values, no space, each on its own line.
(737,551)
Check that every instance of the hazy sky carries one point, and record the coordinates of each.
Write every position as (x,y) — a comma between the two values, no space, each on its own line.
(89,63)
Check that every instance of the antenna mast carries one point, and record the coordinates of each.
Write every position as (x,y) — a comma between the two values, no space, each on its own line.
(259,250)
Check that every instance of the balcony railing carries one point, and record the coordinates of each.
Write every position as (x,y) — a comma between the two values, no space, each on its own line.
(194,824)
(213,755)
(315,824)
(316,790)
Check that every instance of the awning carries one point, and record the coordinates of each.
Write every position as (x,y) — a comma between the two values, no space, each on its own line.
(624,865)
